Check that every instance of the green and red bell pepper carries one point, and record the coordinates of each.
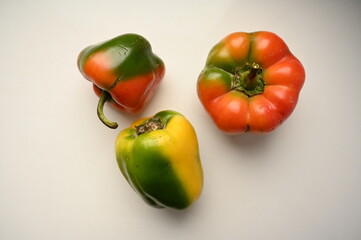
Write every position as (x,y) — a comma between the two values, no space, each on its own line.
(124,71)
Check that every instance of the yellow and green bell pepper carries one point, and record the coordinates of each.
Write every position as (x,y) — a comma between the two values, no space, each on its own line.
(159,157)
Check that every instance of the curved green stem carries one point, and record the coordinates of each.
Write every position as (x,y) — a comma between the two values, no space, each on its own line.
(103,98)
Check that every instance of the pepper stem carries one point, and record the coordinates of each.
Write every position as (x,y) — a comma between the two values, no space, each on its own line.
(103,98)
(249,80)
(151,124)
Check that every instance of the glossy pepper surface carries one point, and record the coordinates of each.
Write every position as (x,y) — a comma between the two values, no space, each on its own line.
(124,71)
(251,82)
(159,158)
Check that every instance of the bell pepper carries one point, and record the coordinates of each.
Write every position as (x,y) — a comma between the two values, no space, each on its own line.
(159,157)
(251,82)
(124,71)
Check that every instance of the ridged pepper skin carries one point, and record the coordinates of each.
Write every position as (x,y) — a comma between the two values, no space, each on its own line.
(124,71)
(251,82)
(159,157)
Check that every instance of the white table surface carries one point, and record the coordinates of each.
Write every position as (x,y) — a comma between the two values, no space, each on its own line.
(58,175)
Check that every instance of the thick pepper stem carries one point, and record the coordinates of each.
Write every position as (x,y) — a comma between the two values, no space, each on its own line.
(103,98)
(250,80)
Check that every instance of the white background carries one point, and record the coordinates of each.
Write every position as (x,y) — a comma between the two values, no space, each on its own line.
(58,175)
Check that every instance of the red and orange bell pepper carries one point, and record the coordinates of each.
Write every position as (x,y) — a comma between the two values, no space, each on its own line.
(251,82)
